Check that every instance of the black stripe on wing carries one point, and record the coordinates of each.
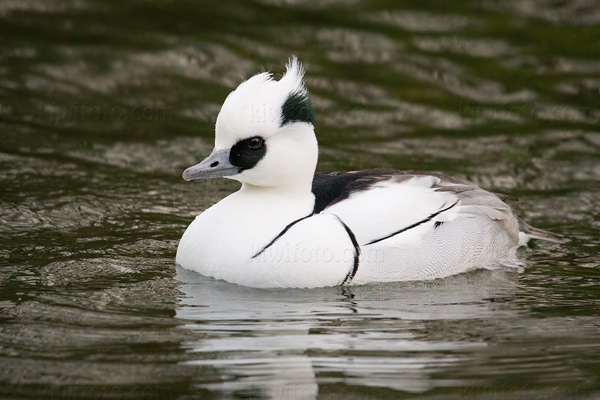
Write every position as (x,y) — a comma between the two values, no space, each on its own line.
(280,234)
(334,187)
(429,218)
(348,278)
(352,273)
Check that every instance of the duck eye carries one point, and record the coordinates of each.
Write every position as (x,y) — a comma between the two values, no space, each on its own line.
(255,143)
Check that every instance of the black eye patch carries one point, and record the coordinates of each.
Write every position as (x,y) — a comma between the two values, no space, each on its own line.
(246,153)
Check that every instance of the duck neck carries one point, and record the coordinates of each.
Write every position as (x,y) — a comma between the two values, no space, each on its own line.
(298,192)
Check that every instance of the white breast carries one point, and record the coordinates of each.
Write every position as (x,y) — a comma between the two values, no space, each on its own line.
(224,242)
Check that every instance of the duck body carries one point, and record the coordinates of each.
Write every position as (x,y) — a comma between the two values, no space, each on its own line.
(287,227)
(352,228)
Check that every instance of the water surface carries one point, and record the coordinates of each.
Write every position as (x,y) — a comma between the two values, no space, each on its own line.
(104,104)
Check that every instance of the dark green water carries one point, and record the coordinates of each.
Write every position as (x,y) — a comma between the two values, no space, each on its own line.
(105,103)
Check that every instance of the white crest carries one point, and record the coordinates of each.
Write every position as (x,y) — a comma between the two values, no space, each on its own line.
(255,107)
(294,75)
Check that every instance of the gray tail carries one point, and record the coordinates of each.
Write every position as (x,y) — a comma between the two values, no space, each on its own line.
(535,233)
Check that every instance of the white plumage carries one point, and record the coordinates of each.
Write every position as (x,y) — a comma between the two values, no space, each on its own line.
(287,227)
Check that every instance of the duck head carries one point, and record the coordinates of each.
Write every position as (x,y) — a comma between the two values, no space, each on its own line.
(264,134)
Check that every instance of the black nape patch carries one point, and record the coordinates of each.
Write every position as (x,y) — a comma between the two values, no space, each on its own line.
(245,154)
(297,108)
(437,224)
